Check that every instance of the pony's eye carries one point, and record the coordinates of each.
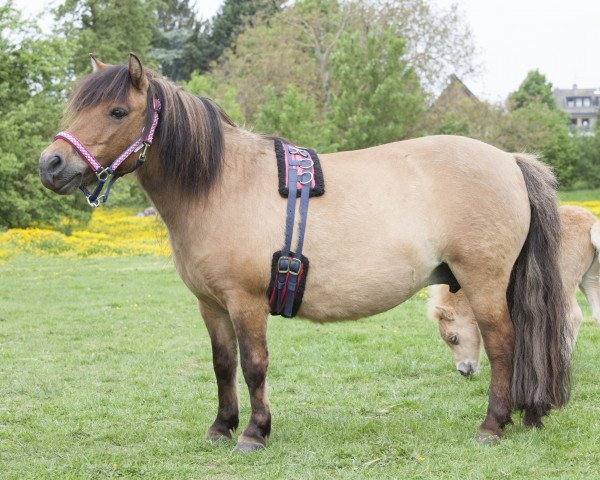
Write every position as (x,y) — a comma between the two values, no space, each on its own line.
(118,113)
(453,339)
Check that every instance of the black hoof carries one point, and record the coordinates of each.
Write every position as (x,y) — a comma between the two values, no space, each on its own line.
(217,436)
(483,437)
(247,444)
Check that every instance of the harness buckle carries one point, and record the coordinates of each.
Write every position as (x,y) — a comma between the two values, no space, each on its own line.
(142,156)
(104,174)
(295,266)
(283,265)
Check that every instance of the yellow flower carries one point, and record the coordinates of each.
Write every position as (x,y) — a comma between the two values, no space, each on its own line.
(111,232)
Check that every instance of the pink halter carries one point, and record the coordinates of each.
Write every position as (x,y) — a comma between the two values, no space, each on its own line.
(107,174)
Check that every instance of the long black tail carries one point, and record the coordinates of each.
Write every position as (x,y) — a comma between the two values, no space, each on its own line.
(536,298)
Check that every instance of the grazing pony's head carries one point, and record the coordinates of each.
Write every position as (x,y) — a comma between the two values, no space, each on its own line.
(457,326)
(111,107)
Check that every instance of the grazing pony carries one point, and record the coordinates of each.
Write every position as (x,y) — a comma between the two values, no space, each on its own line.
(580,268)
(393,219)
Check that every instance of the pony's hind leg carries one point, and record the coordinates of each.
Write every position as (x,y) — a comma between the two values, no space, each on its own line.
(224,352)
(491,312)
(249,316)
(499,339)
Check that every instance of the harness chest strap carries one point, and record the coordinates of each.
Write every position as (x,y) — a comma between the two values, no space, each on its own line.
(108,174)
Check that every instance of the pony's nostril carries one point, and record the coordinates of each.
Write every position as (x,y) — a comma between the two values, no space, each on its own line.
(56,163)
(465,369)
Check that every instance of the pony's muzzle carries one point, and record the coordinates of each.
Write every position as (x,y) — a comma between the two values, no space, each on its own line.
(465,368)
(56,174)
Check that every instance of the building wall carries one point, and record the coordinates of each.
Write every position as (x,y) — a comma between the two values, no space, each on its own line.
(581,104)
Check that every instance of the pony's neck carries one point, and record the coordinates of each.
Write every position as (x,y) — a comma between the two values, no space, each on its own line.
(242,155)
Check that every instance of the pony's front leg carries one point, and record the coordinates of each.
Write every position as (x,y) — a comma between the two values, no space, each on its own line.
(224,352)
(249,315)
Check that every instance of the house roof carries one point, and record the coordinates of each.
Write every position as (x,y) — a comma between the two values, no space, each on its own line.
(561,95)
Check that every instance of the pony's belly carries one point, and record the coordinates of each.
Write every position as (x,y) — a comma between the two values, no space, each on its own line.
(339,297)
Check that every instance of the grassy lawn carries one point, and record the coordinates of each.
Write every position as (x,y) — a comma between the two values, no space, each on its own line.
(579,195)
(105,372)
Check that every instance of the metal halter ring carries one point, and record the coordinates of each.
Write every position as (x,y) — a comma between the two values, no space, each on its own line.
(310,164)
(298,151)
(301,176)
(94,203)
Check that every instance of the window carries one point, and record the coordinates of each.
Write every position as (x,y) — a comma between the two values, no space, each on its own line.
(587,101)
(579,102)
(570,102)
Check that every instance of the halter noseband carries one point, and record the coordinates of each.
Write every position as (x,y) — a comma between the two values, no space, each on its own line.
(108,174)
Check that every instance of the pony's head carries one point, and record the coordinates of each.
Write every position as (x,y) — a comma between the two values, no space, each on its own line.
(457,326)
(107,111)
(111,107)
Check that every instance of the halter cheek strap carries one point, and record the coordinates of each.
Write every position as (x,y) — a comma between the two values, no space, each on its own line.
(107,175)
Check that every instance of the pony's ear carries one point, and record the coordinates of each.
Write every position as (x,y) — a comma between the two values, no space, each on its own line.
(446,313)
(96,64)
(136,72)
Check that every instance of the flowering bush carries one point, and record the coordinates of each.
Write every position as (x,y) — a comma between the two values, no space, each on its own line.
(110,232)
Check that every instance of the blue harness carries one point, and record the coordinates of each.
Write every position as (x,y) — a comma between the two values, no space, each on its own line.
(300,175)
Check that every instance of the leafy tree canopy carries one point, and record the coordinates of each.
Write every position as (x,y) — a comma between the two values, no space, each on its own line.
(108,28)
(32,92)
(534,89)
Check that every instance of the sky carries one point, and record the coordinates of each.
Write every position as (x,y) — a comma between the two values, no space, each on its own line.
(561,38)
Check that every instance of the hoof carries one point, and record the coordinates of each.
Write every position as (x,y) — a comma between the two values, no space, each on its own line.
(532,420)
(214,436)
(483,437)
(533,424)
(247,444)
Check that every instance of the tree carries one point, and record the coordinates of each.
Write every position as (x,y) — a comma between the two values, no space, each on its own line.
(293,116)
(377,97)
(320,24)
(452,124)
(438,40)
(266,56)
(222,94)
(172,40)
(540,129)
(587,168)
(210,40)
(233,17)
(534,89)
(33,70)
(296,46)
(535,124)
(108,28)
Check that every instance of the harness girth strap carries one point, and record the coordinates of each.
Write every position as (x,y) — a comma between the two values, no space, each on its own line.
(291,210)
(291,266)
(283,264)
(296,262)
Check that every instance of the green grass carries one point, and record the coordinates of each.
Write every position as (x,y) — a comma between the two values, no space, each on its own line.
(579,195)
(105,371)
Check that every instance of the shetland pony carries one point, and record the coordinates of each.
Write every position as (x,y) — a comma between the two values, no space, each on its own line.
(394,218)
